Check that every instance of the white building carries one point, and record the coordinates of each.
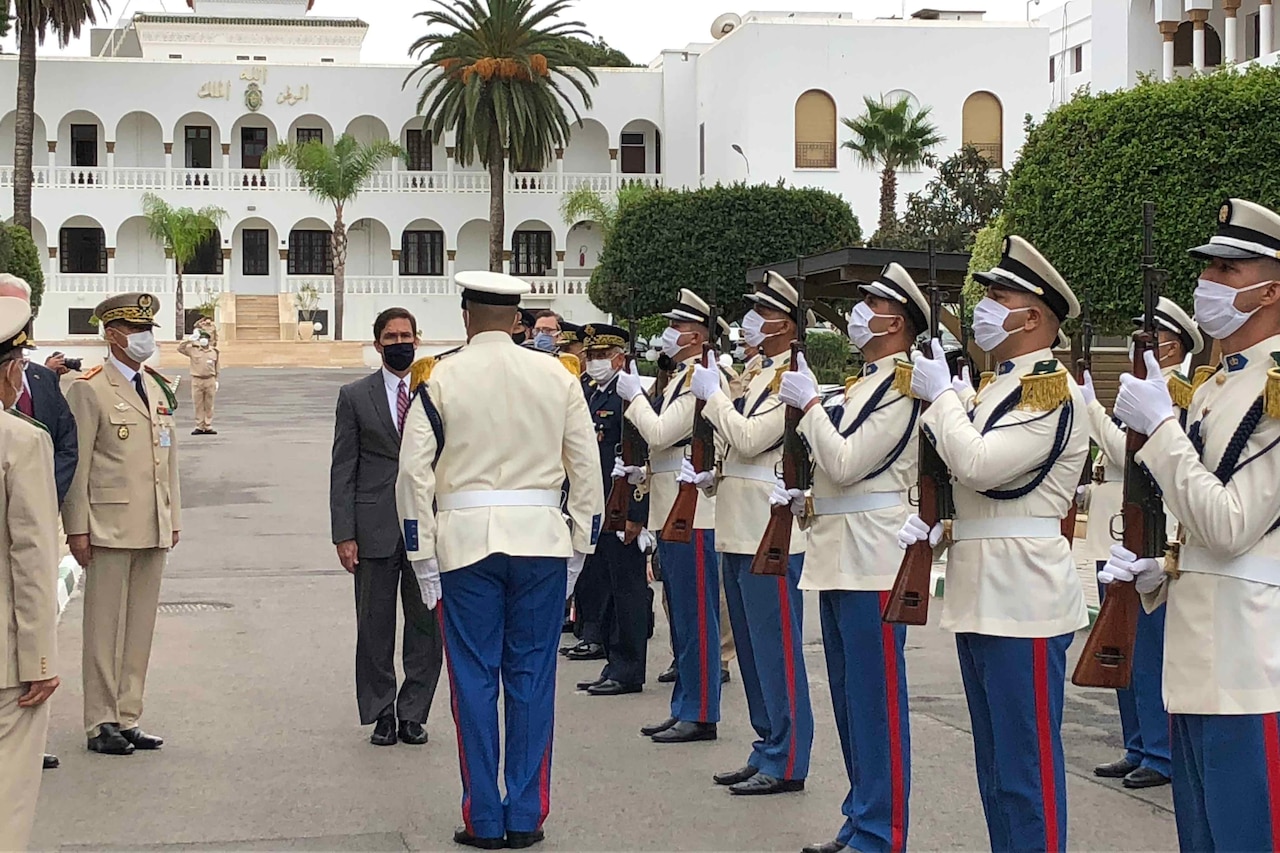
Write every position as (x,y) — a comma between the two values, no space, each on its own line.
(183,105)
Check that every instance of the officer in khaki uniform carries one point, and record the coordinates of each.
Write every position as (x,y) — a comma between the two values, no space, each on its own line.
(122,516)
(202,349)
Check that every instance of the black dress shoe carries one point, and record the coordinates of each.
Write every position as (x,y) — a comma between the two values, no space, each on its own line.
(762,784)
(1145,777)
(211,432)
(733,777)
(384,732)
(825,847)
(141,740)
(197,432)
(51,762)
(609,687)
(564,650)
(668,675)
(1116,769)
(462,836)
(724,676)
(412,733)
(686,732)
(650,731)
(109,741)
(587,685)
(586,651)
(521,840)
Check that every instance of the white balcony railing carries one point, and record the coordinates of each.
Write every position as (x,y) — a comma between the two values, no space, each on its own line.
(199,287)
(192,285)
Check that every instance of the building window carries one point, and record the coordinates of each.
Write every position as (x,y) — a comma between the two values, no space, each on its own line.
(78,322)
(417,146)
(253,144)
(702,149)
(242,59)
(422,253)
(1184,46)
(255,248)
(1052,67)
(310,134)
(83,250)
(982,126)
(815,131)
(326,59)
(1077,59)
(199,148)
(84,145)
(1254,48)
(633,154)
(259,59)
(175,56)
(208,258)
(310,253)
(531,253)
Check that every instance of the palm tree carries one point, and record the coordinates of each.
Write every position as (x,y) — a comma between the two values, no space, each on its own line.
(585,203)
(334,174)
(182,231)
(493,73)
(35,19)
(889,137)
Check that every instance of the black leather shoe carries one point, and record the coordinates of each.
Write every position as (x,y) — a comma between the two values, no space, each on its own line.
(825,847)
(762,784)
(1145,777)
(686,732)
(609,687)
(521,840)
(564,650)
(587,685)
(650,731)
(1116,769)
(197,432)
(733,777)
(412,733)
(384,732)
(109,741)
(586,651)
(724,676)
(140,739)
(668,675)
(51,762)
(462,836)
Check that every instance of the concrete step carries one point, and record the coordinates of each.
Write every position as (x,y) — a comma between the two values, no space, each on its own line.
(274,353)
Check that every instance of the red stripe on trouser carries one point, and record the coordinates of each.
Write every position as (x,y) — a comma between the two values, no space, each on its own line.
(788,668)
(1271,739)
(700,573)
(896,777)
(457,725)
(1044,731)
(544,781)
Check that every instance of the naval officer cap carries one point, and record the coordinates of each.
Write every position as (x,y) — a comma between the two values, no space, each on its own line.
(1023,268)
(570,333)
(692,308)
(1245,230)
(1171,318)
(599,336)
(896,285)
(490,288)
(15,316)
(137,308)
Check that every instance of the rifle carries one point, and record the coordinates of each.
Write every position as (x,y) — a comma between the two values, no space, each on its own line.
(632,447)
(1083,365)
(797,472)
(963,361)
(909,600)
(702,450)
(1107,659)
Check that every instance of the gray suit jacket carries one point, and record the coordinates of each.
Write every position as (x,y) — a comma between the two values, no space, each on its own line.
(362,477)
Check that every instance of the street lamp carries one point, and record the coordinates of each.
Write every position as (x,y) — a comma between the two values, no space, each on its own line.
(1029,2)
(738,148)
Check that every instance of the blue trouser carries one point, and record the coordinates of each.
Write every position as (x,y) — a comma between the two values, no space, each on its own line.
(1143,720)
(1226,781)
(691,576)
(868,675)
(1014,688)
(767,615)
(502,617)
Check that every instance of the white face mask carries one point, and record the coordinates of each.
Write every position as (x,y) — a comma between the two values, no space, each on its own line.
(671,342)
(1159,349)
(1216,310)
(601,370)
(988,323)
(753,329)
(141,345)
(860,325)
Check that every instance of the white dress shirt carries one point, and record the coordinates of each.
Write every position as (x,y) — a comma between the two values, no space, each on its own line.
(393,383)
(125,370)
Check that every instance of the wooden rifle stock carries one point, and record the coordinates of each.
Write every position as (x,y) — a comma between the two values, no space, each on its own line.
(909,599)
(774,554)
(702,450)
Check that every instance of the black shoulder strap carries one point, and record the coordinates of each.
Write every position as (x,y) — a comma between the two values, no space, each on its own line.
(873,403)
(1060,440)
(433,418)
(902,442)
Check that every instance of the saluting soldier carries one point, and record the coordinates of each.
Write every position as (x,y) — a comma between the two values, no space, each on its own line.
(122,516)
(28,587)
(488,441)
(1221,480)
(767,612)
(1143,721)
(202,349)
(865,461)
(1014,598)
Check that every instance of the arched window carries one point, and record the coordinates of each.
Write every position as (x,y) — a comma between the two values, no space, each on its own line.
(1184,46)
(983,126)
(815,131)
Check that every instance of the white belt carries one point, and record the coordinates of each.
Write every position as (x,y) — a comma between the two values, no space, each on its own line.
(846,504)
(1246,568)
(1012,527)
(670,465)
(498,497)
(749,472)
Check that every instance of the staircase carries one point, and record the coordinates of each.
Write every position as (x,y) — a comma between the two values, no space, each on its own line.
(257,318)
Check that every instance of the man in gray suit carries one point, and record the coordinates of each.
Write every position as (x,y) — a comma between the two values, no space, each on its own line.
(366,532)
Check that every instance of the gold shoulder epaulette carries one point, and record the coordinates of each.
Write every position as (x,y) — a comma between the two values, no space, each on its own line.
(1180,390)
(91,372)
(849,382)
(1271,396)
(1045,388)
(902,373)
(571,363)
(421,372)
(1202,375)
(988,376)
(776,384)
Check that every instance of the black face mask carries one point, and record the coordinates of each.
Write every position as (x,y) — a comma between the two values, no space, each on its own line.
(399,356)
(518,337)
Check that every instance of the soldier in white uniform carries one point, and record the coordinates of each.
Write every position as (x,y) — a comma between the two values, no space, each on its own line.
(489,439)
(1221,479)
(1143,721)
(865,460)
(1013,598)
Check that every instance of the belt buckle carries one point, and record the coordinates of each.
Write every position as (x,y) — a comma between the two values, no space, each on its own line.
(1172,560)
(947,524)
(1099,474)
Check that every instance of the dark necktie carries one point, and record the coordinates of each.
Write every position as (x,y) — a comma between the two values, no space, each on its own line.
(402,406)
(140,388)
(24,403)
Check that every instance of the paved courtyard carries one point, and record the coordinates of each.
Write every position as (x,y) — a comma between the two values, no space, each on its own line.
(251,685)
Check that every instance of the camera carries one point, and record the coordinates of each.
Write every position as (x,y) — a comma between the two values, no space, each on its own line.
(73,363)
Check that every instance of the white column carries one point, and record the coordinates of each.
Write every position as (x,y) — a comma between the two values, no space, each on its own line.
(1230,32)
(111,269)
(560,169)
(448,165)
(1266,23)
(111,163)
(53,159)
(560,272)
(1197,44)
(451,263)
(168,164)
(395,271)
(1167,31)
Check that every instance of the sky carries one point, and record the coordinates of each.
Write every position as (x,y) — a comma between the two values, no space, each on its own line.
(639,29)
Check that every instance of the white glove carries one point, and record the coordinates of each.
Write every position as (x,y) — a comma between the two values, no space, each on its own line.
(628,385)
(702,479)
(635,475)
(782,496)
(963,382)
(428,574)
(645,540)
(216,385)
(798,388)
(915,530)
(1144,404)
(1087,389)
(1125,566)
(706,380)
(194,337)
(575,569)
(931,377)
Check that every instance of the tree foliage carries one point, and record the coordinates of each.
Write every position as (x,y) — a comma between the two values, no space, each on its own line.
(1077,190)
(182,231)
(584,203)
(596,53)
(702,238)
(985,254)
(965,195)
(891,136)
(19,256)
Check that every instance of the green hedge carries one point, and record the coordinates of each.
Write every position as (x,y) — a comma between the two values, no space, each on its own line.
(690,238)
(1077,190)
(19,256)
